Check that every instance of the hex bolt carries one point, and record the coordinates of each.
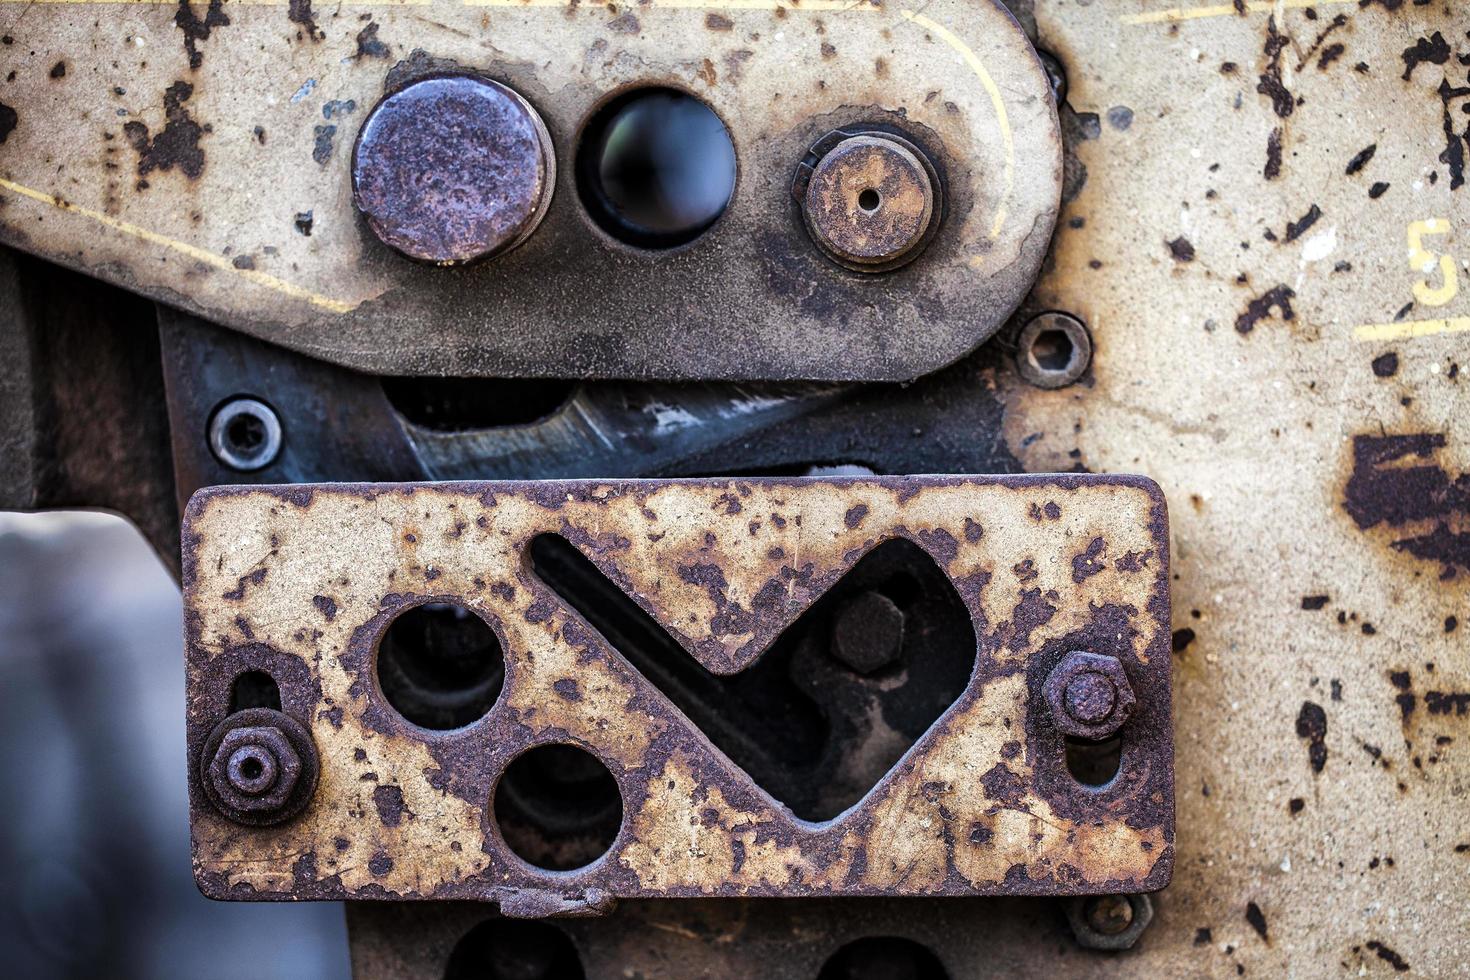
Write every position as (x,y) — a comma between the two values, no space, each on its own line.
(1109,914)
(259,767)
(871,202)
(1053,350)
(252,770)
(1088,695)
(452,168)
(245,434)
(1109,922)
(867,633)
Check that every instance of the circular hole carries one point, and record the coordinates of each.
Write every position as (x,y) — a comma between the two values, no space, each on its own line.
(1052,350)
(883,958)
(521,950)
(869,200)
(440,666)
(246,434)
(558,807)
(251,768)
(655,168)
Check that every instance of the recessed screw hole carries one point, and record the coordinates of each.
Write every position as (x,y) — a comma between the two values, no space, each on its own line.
(254,689)
(869,200)
(251,768)
(1053,350)
(1094,763)
(558,807)
(440,666)
(246,433)
(883,958)
(504,950)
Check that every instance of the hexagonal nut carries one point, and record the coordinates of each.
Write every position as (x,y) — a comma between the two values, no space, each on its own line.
(259,767)
(1097,924)
(225,775)
(1088,695)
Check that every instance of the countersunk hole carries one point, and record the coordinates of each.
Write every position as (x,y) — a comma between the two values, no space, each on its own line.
(869,200)
(254,689)
(440,666)
(1053,350)
(1094,763)
(883,958)
(251,768)
(655,167)
(558,807)
(520,950)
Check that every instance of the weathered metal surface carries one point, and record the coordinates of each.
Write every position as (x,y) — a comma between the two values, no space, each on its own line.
(1314,450)
(1088,695)
(200,156)
(302,582)
(453,168)
(258,767)
(870,201)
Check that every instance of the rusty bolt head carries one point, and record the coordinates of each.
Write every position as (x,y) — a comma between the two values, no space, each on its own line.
(867,633)
(453,168)
(259,767)
(1053,350)
(254,769)
(1089,695)
(870,202)
(1109,922)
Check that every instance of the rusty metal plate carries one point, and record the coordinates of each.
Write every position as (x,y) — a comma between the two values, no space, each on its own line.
(303,581)
(201,155)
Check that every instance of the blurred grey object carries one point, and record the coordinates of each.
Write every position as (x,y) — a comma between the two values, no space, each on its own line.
(95,876)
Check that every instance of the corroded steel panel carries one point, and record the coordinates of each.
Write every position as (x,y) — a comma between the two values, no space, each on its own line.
(200,154)
(302,582)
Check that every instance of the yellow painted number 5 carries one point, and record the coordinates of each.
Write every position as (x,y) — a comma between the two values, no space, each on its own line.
(1424,261)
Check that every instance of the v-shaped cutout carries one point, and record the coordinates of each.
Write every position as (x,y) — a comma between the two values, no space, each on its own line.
(838,698)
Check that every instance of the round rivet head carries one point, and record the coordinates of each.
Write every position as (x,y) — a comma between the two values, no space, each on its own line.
(870,202)
(453,168)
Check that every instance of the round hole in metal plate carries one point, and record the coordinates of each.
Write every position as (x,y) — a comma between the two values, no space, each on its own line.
(440,666)
(883,958)
(558,807)
(655,167)
(501,949)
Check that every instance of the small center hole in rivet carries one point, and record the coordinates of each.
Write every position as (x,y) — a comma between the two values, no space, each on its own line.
(869,200)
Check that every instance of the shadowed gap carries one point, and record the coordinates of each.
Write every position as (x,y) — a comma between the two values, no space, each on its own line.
(835,702)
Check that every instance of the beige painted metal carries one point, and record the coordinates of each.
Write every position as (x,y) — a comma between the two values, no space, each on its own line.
(302,581)
(1253,438)
(181,151)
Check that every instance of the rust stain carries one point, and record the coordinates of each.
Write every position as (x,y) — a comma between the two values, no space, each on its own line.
(982,803)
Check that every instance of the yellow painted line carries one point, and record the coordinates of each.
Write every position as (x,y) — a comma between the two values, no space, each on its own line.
(183,248)
(1176,14)
(978,67)
(1411,328)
